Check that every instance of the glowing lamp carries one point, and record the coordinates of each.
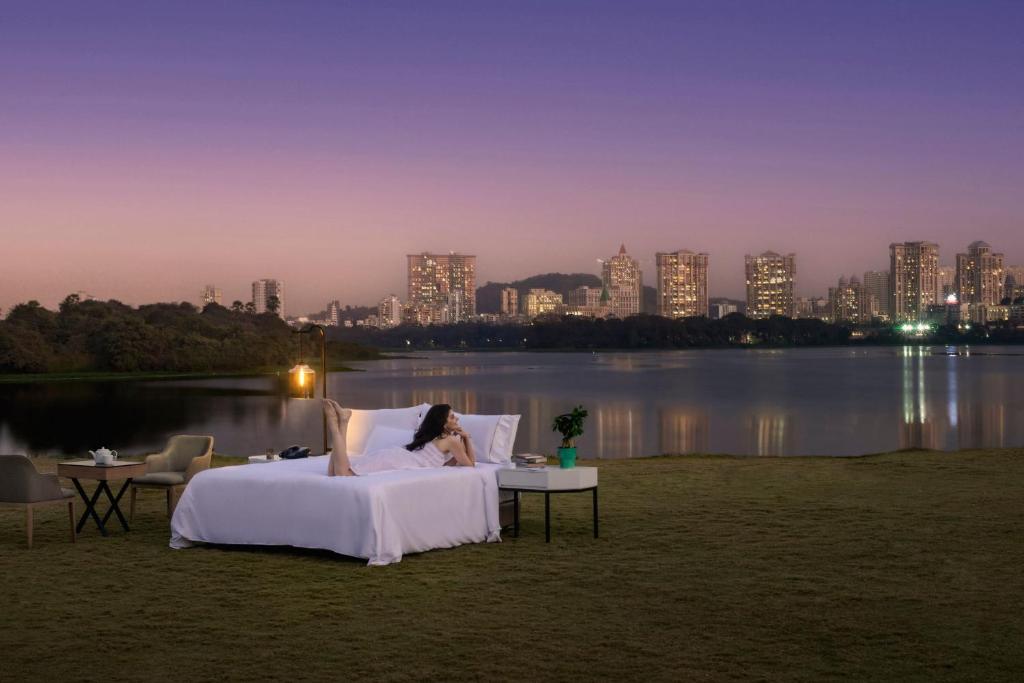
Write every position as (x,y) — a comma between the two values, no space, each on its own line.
(951,300)
(302,381)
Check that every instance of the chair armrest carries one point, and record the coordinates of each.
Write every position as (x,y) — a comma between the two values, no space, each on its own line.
(157,463)
(198,465)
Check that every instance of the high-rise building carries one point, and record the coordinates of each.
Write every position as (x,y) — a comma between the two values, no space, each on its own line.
(434,278)
(622,278)
(945,283)
(913,274)
(264,292)
(770,285)
(682,284)
(509,301)
(333,312)
(592,302)
(389,311)
(979,275)
(846,301)
(1013,285)
(541,301)
(876,290)
(210,295)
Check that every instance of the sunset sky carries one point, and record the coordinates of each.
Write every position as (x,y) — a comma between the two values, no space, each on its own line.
(149,148)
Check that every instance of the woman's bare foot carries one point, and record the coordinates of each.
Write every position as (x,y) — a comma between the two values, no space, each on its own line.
(337,422)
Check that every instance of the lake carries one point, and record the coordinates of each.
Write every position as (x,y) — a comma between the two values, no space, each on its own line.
(834,401)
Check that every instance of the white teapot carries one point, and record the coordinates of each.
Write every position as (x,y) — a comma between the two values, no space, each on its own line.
(103,456)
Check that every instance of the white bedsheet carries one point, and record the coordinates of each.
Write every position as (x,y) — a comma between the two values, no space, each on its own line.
(379,517)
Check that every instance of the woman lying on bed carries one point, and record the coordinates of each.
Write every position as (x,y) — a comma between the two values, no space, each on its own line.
(439,442)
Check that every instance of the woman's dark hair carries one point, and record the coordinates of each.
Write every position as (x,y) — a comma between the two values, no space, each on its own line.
(431,427)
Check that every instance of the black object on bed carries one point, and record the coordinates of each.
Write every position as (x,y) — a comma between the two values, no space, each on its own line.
(294,453)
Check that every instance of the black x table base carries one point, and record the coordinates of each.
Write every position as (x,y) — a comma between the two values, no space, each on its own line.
(90,505)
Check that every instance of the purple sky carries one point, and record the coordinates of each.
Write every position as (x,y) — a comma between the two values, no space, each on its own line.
(147,148)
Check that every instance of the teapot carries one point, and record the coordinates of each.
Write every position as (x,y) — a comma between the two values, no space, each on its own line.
(103,456)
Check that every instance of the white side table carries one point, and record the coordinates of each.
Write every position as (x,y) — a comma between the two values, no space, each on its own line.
(548,480)
(262,459)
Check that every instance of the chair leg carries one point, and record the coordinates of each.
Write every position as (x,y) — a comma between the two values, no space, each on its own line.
(131,509)
(28,525)
(169,508)
(71,518)
(175,495)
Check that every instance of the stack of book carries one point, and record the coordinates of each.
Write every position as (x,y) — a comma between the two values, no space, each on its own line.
(529,460)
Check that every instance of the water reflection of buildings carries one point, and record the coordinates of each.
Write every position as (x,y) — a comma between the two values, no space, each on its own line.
(619,431)
(682,430)
(917,428)
(771,434)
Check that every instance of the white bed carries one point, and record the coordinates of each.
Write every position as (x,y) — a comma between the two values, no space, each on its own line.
(378,517)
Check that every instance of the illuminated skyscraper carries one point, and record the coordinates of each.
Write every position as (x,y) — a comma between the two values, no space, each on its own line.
(622,278)
(979,275)
(770,285)
(210,295)
(334,312)
(913,278)
(682,284)
(263,291)
(444,284)
(846,301)
(389,312)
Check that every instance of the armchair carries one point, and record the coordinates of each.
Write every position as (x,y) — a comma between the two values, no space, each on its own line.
(173,467)
(23,487)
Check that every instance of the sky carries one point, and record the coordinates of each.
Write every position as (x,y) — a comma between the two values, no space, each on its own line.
(149,148)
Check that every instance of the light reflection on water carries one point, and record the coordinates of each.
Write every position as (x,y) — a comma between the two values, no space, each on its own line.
(776,402)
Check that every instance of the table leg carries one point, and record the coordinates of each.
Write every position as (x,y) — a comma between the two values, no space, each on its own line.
(595,512)
(515,514)
(114,500)
(90,507)
(547,517)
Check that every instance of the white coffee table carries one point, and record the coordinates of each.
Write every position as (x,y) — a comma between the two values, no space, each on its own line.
(547,480)
(263,459)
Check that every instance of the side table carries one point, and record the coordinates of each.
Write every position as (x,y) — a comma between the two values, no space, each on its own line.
(547,480)
(87,469)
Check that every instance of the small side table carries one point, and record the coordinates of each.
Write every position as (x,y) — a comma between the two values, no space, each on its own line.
(87,469)
(263,459)
(547,480)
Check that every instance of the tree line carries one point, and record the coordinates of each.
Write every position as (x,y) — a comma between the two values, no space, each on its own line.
(653,332)
(109,336)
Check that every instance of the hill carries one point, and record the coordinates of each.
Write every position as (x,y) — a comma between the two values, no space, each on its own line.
(488,297)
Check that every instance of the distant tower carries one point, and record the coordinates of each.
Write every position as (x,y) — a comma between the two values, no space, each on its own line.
(509,301)
(622,278)
(263,290)
(770,279)
(876,288)
(389,310)
(979,275)
(913,278)
(682,284)
(210,295)
(434,278)
(334,312)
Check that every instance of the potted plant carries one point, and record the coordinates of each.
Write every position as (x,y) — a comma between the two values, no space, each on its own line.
(570,426)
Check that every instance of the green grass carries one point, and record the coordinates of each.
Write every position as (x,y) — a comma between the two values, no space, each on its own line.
(904,566)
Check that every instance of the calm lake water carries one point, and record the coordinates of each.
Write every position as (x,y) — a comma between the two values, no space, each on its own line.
(836,401)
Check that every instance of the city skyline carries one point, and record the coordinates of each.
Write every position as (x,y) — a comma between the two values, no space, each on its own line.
(146,151)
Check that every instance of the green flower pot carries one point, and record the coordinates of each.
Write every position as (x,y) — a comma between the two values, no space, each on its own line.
(567,457)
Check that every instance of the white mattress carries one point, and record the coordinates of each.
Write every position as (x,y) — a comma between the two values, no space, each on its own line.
(379,517)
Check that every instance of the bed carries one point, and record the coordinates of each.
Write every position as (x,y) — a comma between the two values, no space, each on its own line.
(380,517)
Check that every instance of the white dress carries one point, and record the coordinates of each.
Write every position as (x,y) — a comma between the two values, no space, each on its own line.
(397,458)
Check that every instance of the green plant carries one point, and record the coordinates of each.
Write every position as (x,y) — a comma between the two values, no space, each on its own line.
(570,426)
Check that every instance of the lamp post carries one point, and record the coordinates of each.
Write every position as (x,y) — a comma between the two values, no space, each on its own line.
(302,378)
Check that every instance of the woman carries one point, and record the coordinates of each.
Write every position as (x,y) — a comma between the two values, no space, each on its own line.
(439,442)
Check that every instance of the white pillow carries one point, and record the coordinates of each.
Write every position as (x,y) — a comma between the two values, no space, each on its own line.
(387,437)
(362,423)
(493,436)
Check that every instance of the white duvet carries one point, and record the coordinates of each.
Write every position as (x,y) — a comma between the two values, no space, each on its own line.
(379,517)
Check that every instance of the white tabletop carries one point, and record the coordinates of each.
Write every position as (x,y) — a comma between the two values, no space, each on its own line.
(548,478)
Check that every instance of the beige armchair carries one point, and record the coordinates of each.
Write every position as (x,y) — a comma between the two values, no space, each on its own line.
(23,487)
(173,467)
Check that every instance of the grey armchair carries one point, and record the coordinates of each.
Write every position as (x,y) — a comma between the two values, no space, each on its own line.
(23,487)
(173,467)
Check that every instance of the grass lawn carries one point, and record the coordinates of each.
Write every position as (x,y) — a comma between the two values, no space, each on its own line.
(905,566)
